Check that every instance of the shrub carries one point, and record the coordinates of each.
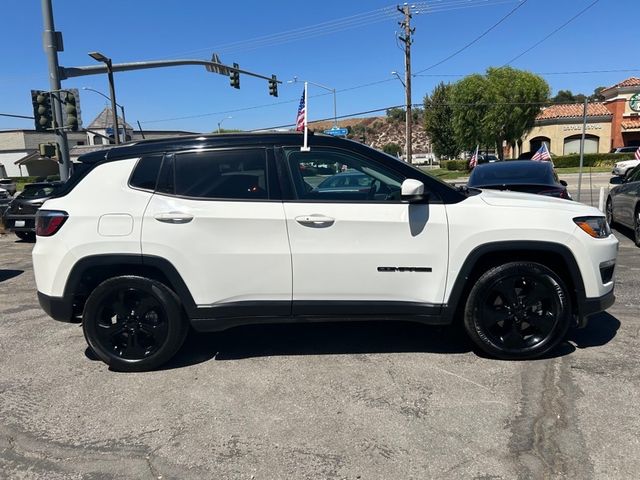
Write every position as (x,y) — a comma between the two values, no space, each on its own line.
(392,149)
(591,159)
(454,164)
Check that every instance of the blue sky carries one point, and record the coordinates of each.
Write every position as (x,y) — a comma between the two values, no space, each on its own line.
(603,38)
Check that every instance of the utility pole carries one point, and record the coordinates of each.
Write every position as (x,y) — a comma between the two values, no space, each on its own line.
(52,42)
(408,32)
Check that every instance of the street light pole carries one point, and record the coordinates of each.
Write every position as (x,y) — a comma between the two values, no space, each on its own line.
(220,122)
(332,90)
(97,56)
(124,120)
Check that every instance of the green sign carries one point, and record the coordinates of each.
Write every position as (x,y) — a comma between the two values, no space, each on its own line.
(634,102)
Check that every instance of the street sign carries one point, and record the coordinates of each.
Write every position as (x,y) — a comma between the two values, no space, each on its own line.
(337,132)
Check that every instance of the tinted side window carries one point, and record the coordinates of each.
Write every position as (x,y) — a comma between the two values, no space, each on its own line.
(222,174)
(338,175)
(634,176)
(146,172)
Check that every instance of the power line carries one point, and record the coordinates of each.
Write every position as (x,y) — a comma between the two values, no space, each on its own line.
(460,50)
(579,72)
(553,32)
(336,25)
(15,116)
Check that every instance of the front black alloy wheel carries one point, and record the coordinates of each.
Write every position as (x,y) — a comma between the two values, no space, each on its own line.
(518,310)
(133,323)
(636,227)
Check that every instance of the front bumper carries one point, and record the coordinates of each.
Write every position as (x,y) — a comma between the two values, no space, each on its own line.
(58,308)
(591,306)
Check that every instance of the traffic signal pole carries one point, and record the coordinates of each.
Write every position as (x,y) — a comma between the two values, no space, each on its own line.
(52,42)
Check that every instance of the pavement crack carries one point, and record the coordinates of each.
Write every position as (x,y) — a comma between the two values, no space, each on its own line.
(546,441)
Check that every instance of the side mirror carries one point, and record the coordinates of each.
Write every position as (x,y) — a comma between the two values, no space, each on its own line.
(412,190)
(616,181)
(564,183)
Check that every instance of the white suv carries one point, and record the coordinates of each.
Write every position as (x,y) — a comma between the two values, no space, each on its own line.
(218,231)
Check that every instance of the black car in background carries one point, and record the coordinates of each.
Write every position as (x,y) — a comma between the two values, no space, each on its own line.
(623,202)
(526,176)
(20,216)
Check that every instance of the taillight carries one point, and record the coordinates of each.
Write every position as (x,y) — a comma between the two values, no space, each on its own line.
(556,192)
(48,222)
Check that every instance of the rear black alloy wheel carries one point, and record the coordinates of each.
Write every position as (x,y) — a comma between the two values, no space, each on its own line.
(133,323)
(518,310)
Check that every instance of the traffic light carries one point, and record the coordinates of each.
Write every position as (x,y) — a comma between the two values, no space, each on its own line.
(234,77)
(71,110)
(42,112)
(273,86)
(48,150)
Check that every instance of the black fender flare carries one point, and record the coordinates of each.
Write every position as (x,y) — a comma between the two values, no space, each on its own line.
(512,246)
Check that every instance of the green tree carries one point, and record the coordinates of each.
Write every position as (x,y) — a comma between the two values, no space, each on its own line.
(400,114)
(438,121)
(597,96)
(392,149)
(499,106)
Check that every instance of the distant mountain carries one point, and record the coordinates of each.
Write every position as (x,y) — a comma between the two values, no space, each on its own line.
(379,131)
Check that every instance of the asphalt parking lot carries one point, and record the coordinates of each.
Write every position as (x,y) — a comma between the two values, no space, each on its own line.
(334,401)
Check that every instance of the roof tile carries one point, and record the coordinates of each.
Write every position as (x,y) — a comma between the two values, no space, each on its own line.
(572,110)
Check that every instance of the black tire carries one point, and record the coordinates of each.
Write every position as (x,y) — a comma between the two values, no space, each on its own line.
(636,227)
(608,211)
(26,236)
(518,310)
(134,323)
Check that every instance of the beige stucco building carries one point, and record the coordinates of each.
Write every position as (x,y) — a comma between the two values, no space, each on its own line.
(611,123)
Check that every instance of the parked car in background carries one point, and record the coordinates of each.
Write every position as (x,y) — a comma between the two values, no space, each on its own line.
(488,158)
(5,198)
(520,176)
(9,185)
(20,216)
(623,203)
(623,168)
(624,149)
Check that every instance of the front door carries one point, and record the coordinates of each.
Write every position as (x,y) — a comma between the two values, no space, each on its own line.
(355,246)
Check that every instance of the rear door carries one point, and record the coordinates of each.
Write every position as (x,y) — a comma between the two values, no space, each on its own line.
(359,249)
(218,218)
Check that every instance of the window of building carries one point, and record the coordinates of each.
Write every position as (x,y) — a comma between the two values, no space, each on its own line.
(572,144)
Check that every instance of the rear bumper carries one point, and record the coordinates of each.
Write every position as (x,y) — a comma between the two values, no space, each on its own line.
(58,308)
(29,223)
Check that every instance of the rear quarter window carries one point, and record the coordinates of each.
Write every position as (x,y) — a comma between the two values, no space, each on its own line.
(145,174)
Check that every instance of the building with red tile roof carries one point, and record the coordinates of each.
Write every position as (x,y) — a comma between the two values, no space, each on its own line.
(614,122)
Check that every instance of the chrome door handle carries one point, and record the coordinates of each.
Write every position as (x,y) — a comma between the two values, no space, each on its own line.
(173,217)
(315,220)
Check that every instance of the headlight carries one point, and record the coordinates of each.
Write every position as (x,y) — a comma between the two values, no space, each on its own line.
(597,227)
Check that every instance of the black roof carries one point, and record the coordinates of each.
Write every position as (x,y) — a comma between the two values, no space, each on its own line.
(136,149)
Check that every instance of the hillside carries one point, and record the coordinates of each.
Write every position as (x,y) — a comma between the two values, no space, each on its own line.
(378,131)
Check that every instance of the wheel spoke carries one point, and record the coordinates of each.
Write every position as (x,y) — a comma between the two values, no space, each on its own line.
(493,315)
(513,338)
(543,323)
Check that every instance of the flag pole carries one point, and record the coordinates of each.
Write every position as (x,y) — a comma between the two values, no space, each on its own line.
(305,146)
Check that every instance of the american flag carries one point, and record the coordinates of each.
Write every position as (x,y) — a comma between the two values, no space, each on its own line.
(542,154)
(637,155)
(301,114)
(474,158)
